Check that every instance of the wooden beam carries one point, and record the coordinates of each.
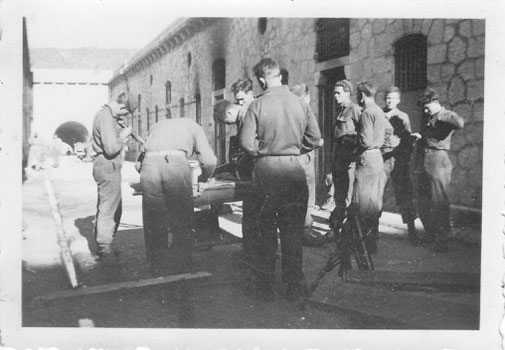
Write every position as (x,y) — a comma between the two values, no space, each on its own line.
(113,287)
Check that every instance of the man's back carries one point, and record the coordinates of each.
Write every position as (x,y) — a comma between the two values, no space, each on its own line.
(283,123)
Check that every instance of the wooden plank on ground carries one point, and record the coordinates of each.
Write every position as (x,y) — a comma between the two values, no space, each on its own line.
(113,287)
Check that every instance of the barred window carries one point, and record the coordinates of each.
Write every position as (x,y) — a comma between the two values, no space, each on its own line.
(219,74)
(411,62)
(332,40)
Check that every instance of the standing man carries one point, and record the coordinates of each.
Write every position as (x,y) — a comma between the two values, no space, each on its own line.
(167,199)
(109,140)
(311,238)
(435,176)
(397,160)
(279,128)
(369,175)
(343,150)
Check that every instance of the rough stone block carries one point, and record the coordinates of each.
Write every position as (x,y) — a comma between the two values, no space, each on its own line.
(354,39)
(479,67)
(449,32)
(467,70)
(418,23)
(479,26)
(465,28)
(437,53)
(476,47)
(383,45)
(354,26)
(381,65)
(367,32)
(469,157)
(436,33)
(448,71)
(457,50)
(408,25)
(367,68)
(363,49)
(433,73)
(475,90)
(474,132)
(378,26)
(426,25)
(456,91)
(478,111)
(464,110)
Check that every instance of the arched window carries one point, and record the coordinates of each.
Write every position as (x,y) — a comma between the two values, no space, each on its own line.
(138,113)
(332,38)
(198,108)
(411,62)
(168,92)
(181,107)
(219,74)
(156,113)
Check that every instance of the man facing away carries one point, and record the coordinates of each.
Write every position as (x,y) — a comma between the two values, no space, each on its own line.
(278,130)
(311,238)
(109,140)
(369,175)
(435,177)
(397,160)
(167,199)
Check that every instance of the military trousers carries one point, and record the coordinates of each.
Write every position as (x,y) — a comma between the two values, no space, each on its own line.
(343,173)
(167,210)
(434,180)
(397,172)
(107,175)
(368,189)
(281,183)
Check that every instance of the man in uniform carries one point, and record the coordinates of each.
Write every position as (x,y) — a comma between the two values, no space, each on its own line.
(167,200)
(343,150)
(435,176)
(278,129)
(108,141)
(311,238)
(397,160)
(369,174)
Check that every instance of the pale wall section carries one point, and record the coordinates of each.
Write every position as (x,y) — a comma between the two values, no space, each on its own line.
(67,95)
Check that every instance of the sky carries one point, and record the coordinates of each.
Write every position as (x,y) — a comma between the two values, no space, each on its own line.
(95,23)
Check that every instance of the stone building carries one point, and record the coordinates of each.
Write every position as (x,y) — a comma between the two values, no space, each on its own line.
(27,97)
(194,61)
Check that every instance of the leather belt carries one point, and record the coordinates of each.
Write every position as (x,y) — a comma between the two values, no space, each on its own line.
(433,150)
(164,153)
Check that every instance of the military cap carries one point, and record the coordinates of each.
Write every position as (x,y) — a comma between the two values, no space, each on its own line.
(429,95)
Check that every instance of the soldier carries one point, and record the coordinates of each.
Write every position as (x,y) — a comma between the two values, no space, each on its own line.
(435,177)
(109,140)
(278,130)
(397,160)
(347,116)
(369,174)
(311,238)
(167,199)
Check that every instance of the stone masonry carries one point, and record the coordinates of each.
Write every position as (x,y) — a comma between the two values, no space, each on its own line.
(455,59)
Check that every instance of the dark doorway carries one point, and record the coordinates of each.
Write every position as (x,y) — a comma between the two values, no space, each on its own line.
(72,132)
(326,108)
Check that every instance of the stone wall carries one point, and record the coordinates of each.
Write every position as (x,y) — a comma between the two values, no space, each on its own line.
(455,69)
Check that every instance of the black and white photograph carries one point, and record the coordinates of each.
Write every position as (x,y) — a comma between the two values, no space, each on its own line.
(190,175)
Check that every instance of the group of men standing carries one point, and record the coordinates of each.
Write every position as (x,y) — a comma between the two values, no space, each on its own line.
(276,135)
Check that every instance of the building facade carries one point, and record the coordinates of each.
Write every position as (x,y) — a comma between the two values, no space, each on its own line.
(194,62)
